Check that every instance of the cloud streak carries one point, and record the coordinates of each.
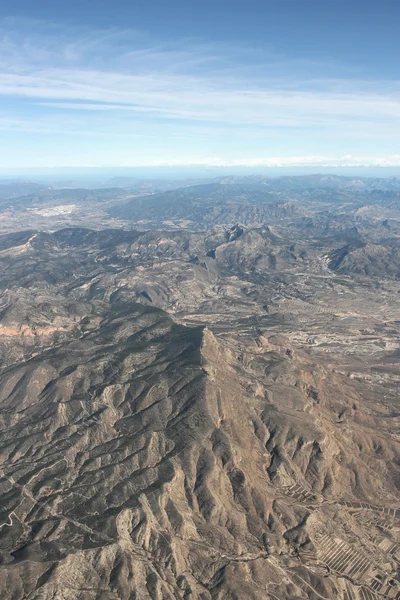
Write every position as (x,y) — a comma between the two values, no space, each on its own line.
(283,161)
(202,99)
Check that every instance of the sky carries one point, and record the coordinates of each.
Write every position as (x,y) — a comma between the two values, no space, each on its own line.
(245,83)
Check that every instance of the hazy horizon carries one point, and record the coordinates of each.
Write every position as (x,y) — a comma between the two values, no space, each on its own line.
(100,174)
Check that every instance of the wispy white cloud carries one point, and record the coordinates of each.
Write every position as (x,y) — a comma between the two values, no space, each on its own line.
(319,162)
(203,99)
(113,82)
(283,161)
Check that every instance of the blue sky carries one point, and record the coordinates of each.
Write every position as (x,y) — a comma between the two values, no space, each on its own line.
(222,82)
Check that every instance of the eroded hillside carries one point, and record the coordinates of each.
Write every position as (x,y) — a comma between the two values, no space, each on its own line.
(195,415)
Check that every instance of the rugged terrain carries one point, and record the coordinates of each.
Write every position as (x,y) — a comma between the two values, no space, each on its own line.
(203,409)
